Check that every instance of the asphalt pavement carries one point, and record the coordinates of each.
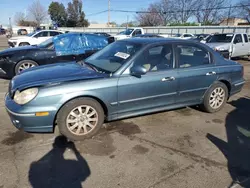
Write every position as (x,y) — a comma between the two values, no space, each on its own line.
(179,148)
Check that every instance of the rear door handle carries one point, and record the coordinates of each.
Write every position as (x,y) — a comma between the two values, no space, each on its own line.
(210,73)
(168,79)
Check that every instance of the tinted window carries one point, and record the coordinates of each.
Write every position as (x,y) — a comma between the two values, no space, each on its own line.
(42,34)
(245,38)
(191,56)
(156,58)
(187,35)
(138,32)
(238,38)
(54,33)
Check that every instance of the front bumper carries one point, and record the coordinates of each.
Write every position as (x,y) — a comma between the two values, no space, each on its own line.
(24,117)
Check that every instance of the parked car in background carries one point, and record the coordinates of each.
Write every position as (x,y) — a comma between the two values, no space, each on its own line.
(129,32)
(22,32)
(183,36)
(62,48)
(2,31)
(108,36)
(201,37)
(149,35)
(127,78)
(102,34)
(33,38)
(230,44)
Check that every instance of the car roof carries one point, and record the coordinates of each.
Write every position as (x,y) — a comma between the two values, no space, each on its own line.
(153,40)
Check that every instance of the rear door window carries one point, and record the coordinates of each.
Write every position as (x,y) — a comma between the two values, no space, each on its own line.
(191,56)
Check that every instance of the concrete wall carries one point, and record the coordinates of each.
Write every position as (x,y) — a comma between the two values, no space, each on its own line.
(162,30)
(168,30)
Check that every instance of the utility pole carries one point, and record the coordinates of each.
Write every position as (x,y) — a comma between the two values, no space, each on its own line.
(229,14)
(108,13)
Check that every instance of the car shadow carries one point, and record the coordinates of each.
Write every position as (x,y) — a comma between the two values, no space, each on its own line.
(54,171)
(237,148)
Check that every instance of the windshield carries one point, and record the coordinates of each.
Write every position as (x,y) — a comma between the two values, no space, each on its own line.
(112,57)
(225,38)
(46,43)
(126,32)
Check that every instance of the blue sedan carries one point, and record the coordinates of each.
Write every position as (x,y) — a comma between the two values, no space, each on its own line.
(127,78)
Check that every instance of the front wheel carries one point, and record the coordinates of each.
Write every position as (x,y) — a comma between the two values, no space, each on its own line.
(215,97)
(80,118)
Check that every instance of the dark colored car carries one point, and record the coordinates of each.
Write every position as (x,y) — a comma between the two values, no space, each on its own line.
(127,78)
(2,31)
(108,36)
(22,32)
(102,34)
(62,48)
(148,35)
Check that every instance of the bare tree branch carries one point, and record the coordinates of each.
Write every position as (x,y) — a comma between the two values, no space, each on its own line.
(37,12)
(210,11)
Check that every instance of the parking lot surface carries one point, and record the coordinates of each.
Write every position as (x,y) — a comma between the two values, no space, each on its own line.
(179,148)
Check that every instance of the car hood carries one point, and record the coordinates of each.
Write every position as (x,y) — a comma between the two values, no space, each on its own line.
(53,74)
(20,48)
(18,38)
(219,45)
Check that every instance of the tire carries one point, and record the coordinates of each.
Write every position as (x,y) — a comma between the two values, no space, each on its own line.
(68,117)
(24,44)
(215,98)
(24,63)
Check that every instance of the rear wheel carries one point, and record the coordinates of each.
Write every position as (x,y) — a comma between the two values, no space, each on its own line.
(80,118)
(24,64)
(215,97)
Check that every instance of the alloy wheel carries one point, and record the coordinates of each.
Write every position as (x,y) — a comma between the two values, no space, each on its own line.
(24,66)
(82,120)
(217,98)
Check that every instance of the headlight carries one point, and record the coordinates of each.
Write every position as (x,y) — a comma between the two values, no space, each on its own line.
(25,96)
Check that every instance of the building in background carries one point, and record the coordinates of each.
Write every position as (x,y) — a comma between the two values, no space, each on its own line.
(234,22)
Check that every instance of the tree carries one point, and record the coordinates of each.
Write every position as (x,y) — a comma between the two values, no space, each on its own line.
(244,11)
(210,11)
(164,7)
(19,18)
(149,17)
(183,9)
(76,16)
(37,12)
(58,13)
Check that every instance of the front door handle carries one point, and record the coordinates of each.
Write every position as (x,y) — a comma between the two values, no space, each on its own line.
(210,73)
(167,79)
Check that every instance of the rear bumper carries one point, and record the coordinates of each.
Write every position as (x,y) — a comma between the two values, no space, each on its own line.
(237,87)
(25,117)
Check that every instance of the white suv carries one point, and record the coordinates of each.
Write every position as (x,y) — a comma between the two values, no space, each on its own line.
(33,38)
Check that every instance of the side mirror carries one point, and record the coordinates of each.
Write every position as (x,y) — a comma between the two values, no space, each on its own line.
(235,42)
(138,70)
